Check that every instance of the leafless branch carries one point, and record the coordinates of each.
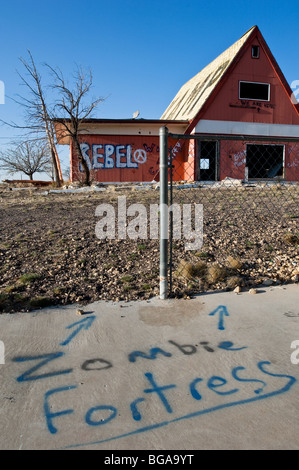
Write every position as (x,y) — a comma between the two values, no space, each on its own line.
(28,158)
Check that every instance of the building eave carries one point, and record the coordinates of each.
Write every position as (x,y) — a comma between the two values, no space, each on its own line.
(95,126)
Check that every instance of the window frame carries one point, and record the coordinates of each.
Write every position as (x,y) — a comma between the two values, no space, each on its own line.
(255,83)
(269,144)
(258,51)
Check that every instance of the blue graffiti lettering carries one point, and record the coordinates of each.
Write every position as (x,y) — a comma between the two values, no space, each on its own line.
(134,410)
(228,346)
(194,392)
(101,421)
(159,391)
(215,382)
(222,312)
(236,377)
(81,325)
(26,376)
(50,415)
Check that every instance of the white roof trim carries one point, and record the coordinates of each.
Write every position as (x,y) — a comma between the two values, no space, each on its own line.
(206,126)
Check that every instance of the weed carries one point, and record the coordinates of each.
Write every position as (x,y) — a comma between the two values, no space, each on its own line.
(5,246)
(202,254)
(29,278)
(59,290)
(51,233)
(127,279)
(146,287)
(133,256)
(128,288)
(12,300)
(9,289)
(141,247)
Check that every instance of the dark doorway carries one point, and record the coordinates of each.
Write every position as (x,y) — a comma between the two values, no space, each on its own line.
(264,161)
(207,161)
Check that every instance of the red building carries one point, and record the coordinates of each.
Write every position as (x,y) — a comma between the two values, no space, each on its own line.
(242,92)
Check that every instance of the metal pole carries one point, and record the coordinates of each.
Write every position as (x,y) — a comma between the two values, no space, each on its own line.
(171,222)
(163,211)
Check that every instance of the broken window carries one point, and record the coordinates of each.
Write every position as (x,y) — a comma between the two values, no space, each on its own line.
(264,161)
(254,91)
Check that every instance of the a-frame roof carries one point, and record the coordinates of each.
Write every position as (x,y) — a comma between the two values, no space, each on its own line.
(197,92)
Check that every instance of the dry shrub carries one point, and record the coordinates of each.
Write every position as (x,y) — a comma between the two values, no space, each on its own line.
(234,281)
(234,263)
(191,270)
(216,273)
(291,238)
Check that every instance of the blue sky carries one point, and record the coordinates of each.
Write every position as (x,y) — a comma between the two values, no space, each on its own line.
(140,51)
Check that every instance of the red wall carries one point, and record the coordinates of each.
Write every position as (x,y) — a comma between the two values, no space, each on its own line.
(127,158)
(227,106)
(233,159)
(292,162)
(122,149)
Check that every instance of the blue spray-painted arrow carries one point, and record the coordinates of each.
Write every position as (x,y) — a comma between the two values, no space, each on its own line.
(82,325)
(222,311)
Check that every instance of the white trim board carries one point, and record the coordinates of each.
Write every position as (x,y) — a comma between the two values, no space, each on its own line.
(246,128)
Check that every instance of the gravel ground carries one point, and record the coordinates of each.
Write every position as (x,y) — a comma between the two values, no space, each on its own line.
(50,254)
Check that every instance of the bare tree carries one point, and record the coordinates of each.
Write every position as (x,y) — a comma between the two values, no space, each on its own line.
(73,110)
(27,157)
(38,119)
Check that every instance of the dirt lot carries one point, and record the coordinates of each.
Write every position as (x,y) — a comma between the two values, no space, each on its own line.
(49,252)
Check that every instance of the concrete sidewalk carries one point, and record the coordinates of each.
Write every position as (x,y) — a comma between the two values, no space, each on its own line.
(214,372)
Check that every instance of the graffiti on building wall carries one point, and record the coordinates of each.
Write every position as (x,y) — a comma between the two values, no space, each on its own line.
(293,164)
(108,156)
(239,158)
